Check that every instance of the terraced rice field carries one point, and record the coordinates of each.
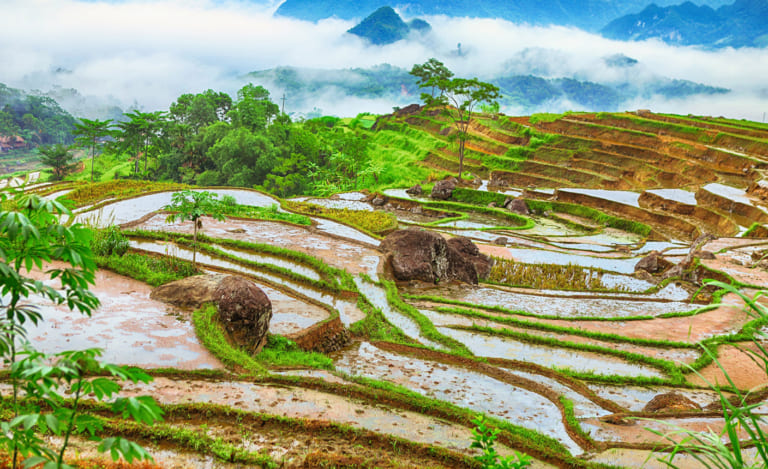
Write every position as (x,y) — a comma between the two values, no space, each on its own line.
(560,371)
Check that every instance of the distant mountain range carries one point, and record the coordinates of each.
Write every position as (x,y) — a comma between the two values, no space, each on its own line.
(527,92)
(586,14)
(741,24)
(385,26)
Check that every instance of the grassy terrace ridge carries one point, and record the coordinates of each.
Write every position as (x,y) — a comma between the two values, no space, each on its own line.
(715,121)
(445,336)
(332,279)
(118,189)
(374,222)
(483,198)
(499,309)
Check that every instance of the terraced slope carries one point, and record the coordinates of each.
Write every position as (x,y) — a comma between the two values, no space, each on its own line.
(633,152)
(561,346)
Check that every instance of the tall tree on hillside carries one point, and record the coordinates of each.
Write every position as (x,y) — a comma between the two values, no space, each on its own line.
(58,157)
(458,97)
(89,132)
(430,74)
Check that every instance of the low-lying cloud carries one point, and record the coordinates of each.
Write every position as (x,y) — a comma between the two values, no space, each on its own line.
(149,52)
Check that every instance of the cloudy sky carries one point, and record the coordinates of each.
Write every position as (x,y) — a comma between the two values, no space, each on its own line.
(149,52)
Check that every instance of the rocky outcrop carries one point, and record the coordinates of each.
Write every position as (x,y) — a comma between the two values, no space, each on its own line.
(710,220)
(324,337)
(443,190)
(670,402)
(244,311)
(469,251)
(759,189)
(653,263)
(518,206)
(415,190)
(189,293)
(426,256)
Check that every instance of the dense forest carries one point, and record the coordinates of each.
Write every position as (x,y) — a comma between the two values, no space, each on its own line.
(39,120)
(212,139)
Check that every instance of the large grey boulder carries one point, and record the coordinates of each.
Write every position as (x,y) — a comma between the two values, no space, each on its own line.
(519,207)
(443,190)
(670,402)
(244,309)
(469,251)
(188,293)
(428,257)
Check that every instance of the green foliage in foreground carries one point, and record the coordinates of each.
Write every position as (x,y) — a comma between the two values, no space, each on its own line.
(109,241)
(154,271)
(483,438)
(743,426)
(30,235)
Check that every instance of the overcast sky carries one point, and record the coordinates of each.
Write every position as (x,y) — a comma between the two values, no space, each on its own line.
(149,52)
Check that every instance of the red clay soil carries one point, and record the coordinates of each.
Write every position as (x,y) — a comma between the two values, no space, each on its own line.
(691,329)
(745,369)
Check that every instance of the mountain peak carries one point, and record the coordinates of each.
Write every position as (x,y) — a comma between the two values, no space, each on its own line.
(385,26)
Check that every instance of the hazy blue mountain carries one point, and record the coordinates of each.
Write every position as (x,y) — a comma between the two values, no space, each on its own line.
(587,14)
(384,26)
(743,23)
(531,93)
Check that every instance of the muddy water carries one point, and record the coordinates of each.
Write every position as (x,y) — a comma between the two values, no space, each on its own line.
(352,257)
(378,297)
(675,355)
(340,229)
(635,398)
(548,227)
(460,387)
(540,256)
(131,328)
(338,203)
(610,236)
(649,460)
(348,311)
(585,247)
(728,192)
(640,433)
(304,403)
(622,197)
(57,194)
(582,407)
(261,258)
(485,345)
(132,209)
(677,195)
(563,306)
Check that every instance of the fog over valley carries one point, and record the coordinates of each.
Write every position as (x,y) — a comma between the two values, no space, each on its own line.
(142,54)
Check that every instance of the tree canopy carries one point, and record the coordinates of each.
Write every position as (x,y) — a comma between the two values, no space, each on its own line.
(458,97)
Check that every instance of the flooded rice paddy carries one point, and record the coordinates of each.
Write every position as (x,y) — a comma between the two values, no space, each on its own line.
(600,331)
